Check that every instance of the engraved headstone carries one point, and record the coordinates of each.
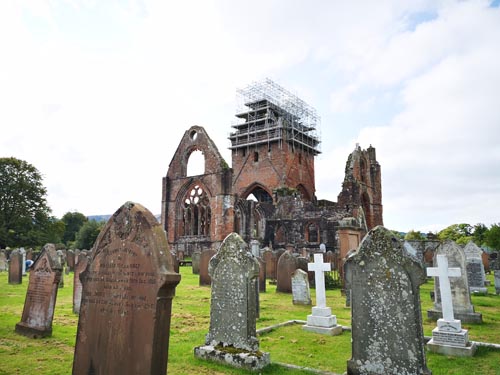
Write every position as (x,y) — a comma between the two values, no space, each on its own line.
(448,337)
(62,260)
(255,248)
(232,310)
(287,264)
(77,283)
(270,260)
(462,305)
(262,275)
(3,261)
(195,262)
(15,267)
(23,265)
(321,320)
(41,295)
(124,323)
(205,257)
(70,260)
(387,333)
(300,288)
(475,268)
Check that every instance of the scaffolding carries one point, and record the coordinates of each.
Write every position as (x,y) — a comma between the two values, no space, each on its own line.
(270,114)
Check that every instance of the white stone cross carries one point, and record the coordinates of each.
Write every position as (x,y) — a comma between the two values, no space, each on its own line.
(319,278)
(444,273)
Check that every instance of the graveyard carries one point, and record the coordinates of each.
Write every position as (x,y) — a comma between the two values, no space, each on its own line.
(292,350)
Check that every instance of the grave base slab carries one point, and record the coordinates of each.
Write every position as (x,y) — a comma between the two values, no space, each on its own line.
(330,331)
(253,361)
(32,332)
(454,351)
(472,317)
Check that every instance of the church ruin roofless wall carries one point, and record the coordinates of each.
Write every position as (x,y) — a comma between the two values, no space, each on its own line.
(269,193)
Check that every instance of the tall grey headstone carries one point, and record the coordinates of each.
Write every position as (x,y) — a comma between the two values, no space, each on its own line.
(195,262)
(387,334)
(300,288)
(475,268)
(233,271)
(3,261)
(448,337)
(23,265)
(462,305)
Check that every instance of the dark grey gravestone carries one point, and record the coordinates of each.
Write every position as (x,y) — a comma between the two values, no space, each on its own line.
(124,323)
(387,334)
(15,267)
(460,292)
(41,295)
(475,268)
(234,271)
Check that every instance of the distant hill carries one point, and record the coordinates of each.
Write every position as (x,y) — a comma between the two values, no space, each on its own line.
(106,217)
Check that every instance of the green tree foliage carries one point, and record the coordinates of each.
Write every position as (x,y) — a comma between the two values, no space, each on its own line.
(460,233)
(478,235)
(24,213)
(492,237)
(73,222)
(88,233)
(414,235)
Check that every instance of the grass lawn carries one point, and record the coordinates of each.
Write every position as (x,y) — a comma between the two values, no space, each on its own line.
(190,321)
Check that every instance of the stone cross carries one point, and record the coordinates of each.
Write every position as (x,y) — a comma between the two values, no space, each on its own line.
(444,273)
(318,267)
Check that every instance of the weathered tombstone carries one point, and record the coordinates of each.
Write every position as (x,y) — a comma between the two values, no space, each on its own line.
(262,275)
(232,335)
(77,283)
(195,262)
(329,256)
(496,275)
(287,264)
(3,261)
(62,260)
(23,265)
(205,257)
(180,255)
(124,323)
(448,337)
(255,248)
(29,254)
(300,288)
(41,295)
(387,334)
(475,268)
(70,260)
(321,320)
(175,261)
(270,264)
(462,305)
(15,267)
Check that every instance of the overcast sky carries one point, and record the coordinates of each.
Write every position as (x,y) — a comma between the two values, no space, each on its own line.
(98,94)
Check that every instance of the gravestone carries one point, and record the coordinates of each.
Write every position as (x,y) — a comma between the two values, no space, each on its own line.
(62,260)
(321,320)
(23,265)
(232,335)
(195,262)
(448,337)
(15,267)
(70,260)
(205,257)
(270,260)
(462,305)
(287,264)
(387,333)
(300,288)
(475,268)
(41,295)
(29,254)
(255,248)
(77,283)
(496,274)
(262,275)
(124,323)
(3,261)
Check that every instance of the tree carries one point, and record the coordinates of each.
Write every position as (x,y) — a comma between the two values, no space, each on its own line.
(460,233)
(492,237)
(73,221)
(88,233)
(24,212)
(414,235)
(478,236)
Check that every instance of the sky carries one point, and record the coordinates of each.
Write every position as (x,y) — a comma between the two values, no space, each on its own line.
(98,94)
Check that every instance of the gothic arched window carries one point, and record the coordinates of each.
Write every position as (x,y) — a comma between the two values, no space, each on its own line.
(196,213)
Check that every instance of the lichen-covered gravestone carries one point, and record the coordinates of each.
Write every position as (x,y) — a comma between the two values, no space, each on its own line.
(77,283)
(41,295)
(475,268)
(463,309)
(300,288)
(124,323)
(387,334)
(15,267)
(232,335)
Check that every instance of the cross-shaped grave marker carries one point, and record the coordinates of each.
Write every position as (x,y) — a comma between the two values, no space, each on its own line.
(319,267)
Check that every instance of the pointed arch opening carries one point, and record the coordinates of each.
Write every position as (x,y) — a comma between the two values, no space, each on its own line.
(259,194)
